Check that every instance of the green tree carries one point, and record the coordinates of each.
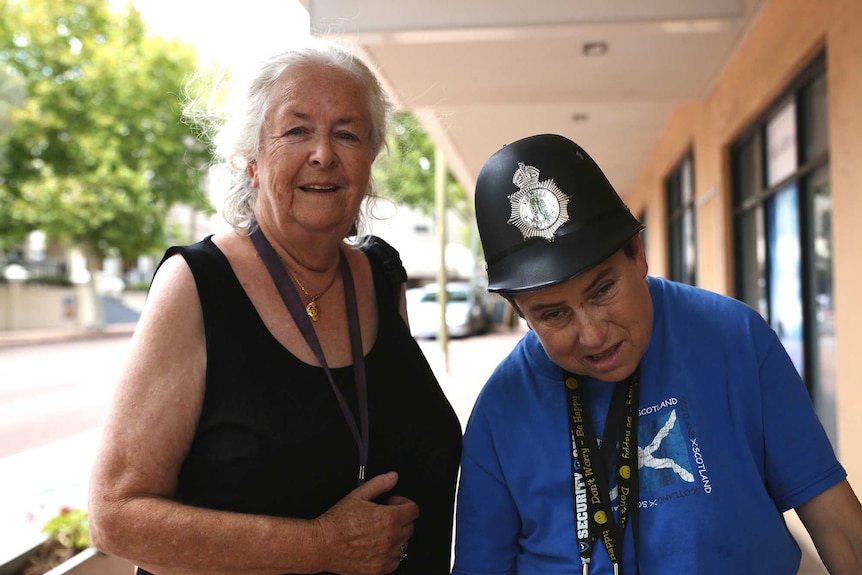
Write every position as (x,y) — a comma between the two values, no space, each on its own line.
(97,153)
(11,97)
(406,174)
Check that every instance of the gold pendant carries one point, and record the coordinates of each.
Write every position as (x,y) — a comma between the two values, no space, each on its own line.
(312,311)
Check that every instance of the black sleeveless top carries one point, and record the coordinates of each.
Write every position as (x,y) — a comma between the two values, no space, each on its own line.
(272,439)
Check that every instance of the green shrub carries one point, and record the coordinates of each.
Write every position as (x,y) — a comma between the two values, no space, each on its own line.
(59,281)
(69,528)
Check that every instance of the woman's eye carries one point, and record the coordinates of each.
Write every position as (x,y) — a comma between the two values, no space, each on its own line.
(294,132)
(552,316)
(604,289)
(347,136)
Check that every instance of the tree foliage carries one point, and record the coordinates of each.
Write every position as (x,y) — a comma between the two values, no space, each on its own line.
(96,154)
(406,175)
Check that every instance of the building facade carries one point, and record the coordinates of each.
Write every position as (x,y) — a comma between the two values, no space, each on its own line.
(776,195)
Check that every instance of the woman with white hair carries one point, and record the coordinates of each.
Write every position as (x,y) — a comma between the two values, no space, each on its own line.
(275,416)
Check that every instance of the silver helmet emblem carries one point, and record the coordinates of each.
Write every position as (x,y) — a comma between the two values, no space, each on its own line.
(538,208)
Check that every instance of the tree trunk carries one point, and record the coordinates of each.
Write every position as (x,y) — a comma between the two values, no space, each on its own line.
(94,266)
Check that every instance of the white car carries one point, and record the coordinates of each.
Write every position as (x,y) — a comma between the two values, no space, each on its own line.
(466,310)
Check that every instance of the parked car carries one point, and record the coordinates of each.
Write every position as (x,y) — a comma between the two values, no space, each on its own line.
(466,310)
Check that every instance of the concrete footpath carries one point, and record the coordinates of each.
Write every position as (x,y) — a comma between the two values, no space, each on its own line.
(14,338)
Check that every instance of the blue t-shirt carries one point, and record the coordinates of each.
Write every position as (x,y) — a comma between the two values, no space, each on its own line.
(727,441)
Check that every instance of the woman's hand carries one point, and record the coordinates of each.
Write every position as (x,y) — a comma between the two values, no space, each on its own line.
(365,538)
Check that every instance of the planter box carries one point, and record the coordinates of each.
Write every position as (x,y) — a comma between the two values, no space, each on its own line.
(15,564)
(87,562)
(92,562)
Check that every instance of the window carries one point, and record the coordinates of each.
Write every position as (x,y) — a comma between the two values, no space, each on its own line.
(682,242)
(782,213)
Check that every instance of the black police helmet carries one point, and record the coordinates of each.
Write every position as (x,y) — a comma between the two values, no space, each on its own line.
(546,213)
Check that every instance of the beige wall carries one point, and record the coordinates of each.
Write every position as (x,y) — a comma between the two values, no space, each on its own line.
(783,39)
(24,306)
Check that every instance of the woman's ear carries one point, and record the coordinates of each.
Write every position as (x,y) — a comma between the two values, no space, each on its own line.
(640,255)
(251,168)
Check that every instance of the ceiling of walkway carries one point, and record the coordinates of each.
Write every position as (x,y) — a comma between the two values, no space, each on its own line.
(482,73)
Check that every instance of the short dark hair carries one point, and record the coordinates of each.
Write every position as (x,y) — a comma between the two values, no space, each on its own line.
(629,247)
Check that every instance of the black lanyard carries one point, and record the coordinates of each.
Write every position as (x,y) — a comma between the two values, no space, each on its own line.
(591,467)
(294,305)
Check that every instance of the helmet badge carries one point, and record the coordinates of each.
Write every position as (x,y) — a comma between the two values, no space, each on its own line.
(538,208)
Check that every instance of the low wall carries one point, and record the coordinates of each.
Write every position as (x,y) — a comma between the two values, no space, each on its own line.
(24,306)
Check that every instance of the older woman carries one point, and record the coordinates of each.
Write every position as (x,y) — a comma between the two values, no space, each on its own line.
(275,416)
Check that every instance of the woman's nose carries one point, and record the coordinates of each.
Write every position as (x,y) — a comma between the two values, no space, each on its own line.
(322,153)
(592,330)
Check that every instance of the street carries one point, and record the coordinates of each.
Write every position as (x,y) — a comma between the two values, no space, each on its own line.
(49,392)
(53,398)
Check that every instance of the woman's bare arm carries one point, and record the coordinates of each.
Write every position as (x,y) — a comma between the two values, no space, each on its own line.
(834,521)
(147,435)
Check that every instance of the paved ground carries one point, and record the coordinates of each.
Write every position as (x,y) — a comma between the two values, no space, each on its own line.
(42,336)
(470,363)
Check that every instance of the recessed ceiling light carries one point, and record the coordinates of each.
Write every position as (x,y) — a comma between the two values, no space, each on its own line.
(595,48)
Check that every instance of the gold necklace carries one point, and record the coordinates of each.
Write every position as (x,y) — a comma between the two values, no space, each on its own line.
(312,309)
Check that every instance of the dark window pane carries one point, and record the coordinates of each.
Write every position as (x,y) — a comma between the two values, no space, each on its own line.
(751,263)
(823,355)
(682,234)
(745,172)
(675,253)
(815,124)
(673,196)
